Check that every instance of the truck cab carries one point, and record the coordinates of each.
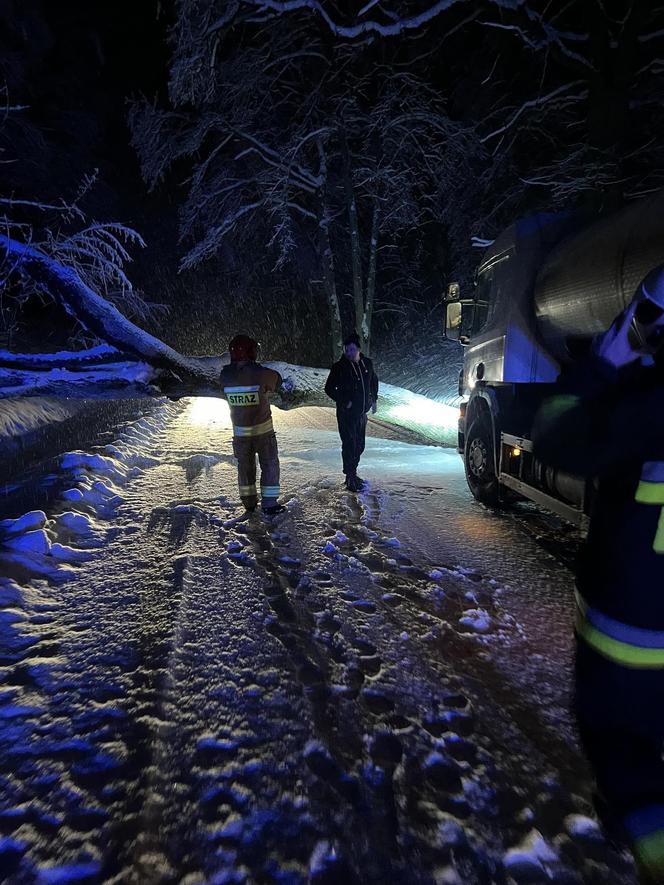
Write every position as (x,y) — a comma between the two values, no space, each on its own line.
(507,368)
(543,290)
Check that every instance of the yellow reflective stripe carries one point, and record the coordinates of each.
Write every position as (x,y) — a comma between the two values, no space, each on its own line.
(650,492)
(255,430)
(621,652)
(658,543)
(653,493)
(649,851)
(270,491)
(248,490)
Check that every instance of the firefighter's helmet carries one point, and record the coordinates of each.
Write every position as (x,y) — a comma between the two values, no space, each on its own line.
(242,348)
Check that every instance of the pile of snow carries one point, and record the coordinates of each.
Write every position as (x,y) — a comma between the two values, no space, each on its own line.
(476,619)
(530,860)
(20,416)
(34,545)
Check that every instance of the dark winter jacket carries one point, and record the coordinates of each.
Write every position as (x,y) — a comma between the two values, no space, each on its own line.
(609,424)
(354,383)
(247,387)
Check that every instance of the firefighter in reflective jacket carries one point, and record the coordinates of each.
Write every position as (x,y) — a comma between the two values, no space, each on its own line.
(608,422)
(247,386)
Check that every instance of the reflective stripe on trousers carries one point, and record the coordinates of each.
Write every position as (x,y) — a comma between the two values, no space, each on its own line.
(651,491)
(253,430)
(621,643)
(245,449)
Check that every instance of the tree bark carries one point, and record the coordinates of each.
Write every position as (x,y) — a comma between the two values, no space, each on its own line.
(355,251)
(336,335)
(327,259)
(371,275)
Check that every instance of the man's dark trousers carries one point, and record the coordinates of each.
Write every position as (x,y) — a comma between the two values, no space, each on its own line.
(352,430)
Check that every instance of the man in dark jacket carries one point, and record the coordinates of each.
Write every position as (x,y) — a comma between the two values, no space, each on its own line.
(608,422)
(353,385)
(247,387)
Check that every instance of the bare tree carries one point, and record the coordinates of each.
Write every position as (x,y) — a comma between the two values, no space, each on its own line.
(349,160)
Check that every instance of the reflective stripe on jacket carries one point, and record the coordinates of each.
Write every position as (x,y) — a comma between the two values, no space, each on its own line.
(247,387)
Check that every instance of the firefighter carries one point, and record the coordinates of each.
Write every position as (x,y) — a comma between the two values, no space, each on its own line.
(353,385)
(608,422)
(247,386)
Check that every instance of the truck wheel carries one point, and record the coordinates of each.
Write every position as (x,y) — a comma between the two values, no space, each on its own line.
(479,462)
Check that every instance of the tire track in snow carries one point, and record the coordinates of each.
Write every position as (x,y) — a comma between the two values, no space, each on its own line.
(199,708)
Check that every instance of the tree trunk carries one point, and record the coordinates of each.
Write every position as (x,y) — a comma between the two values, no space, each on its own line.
(610,89)
(327,258)
(95,313)
(371,276)
(336,335)
(355,252)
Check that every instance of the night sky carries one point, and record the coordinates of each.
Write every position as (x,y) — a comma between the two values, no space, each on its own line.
(535,108)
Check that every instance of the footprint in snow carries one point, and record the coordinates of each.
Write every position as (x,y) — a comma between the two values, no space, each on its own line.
(364,647)
(386,749)
(377,701)
(327,623)
(364,605)
(322,765)
(322,577)
(309,674)
(370,665)
(288,560)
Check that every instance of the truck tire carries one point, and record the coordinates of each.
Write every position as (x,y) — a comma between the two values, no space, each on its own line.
(479,462)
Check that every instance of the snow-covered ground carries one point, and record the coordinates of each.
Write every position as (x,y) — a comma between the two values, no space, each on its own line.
(369,688)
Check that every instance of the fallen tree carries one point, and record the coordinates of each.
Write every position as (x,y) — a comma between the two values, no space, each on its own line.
(132,363)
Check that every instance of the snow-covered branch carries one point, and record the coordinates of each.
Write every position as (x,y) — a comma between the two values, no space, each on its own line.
(540,101)
(63,207)
(97,314)
(72,360)
(105,381)
(397,24)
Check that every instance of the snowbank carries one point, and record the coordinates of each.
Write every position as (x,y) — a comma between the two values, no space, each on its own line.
(433,420)
(19,416)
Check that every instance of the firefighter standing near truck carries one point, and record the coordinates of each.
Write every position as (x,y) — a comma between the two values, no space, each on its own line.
(608,422)
(247,387)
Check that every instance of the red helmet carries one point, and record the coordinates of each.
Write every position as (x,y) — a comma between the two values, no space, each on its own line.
(242,348)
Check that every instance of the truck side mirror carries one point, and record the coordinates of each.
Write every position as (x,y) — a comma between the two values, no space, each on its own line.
(453,320)
(454,315)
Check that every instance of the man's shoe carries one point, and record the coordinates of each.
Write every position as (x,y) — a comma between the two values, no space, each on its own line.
(353,484)
(360,481)
(274,509)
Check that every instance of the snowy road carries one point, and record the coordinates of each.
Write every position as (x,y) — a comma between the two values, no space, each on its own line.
(369,688)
